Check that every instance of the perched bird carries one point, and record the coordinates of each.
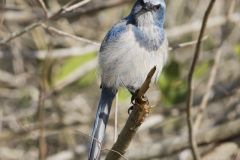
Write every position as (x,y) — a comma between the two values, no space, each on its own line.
(129,51)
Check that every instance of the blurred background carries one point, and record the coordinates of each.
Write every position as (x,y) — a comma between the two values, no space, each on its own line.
(49,83)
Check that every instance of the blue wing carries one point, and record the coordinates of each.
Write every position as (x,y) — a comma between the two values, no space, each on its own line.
(114,34)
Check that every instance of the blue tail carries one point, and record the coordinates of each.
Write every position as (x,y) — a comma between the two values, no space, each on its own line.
(100,123)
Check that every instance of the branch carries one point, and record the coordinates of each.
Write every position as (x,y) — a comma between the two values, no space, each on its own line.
(68,35)
(96,7)
(140,111)
(184,44)
(215,67)
(41,115)
(43,6)
(192,139)
(19,33)
(192,27)
(65,9)
(173,145)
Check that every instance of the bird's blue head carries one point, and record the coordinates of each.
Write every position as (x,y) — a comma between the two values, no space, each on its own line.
(145,12)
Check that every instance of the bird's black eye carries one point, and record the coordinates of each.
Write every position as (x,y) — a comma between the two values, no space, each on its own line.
(157,7)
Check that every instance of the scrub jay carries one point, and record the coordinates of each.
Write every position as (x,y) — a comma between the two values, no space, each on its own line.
(128,52)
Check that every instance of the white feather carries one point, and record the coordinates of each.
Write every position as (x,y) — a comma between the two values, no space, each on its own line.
(125,62)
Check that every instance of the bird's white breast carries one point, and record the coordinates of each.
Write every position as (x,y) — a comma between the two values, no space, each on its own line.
(126,63)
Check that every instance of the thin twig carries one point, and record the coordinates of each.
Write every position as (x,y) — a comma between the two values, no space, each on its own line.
(184,44)
(170,146)
(213,72)
(96,7)
(2,3)
(65,34)
(41,118)
(209,86)
(75,6)
(21,32)
(111,150)
(55,16)
(42,140)
(44,8)
(192,27)
(79,51)
(1,120)
(191,133)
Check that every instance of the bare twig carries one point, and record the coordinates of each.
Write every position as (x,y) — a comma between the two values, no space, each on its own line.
(1,120)
(185,44)
(44,8)
(65,34)
(79,51)
(192,139)
(216,21)
(116,152)
(173,145)
(96,7)
(208,93)
(75,6)
(55,16)
(2,3)
(140,110)
(42,140)
(213,73)
(19,33)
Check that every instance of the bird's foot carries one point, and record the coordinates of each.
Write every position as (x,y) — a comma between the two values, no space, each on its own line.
(134,97)
(130,109)
(133,100)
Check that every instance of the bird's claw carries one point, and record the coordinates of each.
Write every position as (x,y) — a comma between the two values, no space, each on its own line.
(134,97)
(130,109)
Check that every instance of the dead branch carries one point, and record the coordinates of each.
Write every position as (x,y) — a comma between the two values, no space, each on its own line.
(174,145)
(191,133)
(217,60)
(65,34)
(184,44)
(195,26)
(140,111)
(79,51)
(2,3)
(57,15)
(96,7)
(42,140)
(43,7)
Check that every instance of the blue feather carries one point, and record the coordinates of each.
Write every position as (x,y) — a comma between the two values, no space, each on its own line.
(128,52)
(114,34)
(104,108)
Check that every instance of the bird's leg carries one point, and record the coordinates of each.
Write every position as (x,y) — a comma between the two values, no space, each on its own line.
(137,100)
(130,109)
(133,100)
(134,96)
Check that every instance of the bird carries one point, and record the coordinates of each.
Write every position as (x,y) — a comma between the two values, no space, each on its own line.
(130,49)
